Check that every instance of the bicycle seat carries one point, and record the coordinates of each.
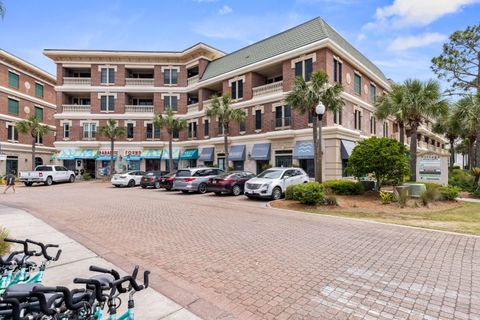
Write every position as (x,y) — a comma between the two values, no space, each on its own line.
(21,288)
(104,279)
(82,296)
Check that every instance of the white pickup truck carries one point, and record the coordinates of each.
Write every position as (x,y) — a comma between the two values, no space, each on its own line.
(47,175)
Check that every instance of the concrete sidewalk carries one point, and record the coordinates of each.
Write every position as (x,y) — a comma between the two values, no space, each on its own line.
(75,261)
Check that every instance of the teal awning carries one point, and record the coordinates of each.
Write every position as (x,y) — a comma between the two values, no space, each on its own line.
(106,158)
(152,153)
(189,154)
(68,154)
(175,154)
(87,154)
(132,158)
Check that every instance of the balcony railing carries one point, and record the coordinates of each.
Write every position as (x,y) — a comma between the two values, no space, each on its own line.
(76,81)
(268,88)
(281,123)
(193,79)
(139,108)
(144,82)
(207,103)
(76,108)
(192,107)
(152,135)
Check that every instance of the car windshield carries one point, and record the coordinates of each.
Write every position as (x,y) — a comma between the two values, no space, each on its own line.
(224,175)
(153,173)
(184,173)
(270,174)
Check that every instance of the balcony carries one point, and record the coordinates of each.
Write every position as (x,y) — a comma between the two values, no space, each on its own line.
(76,108)
(193,80)
(76,81)
(268,89)
(139,108)
(139,82)
(192,107)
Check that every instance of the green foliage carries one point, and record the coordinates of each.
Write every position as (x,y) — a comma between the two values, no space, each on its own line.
(4,246)
(476,194)
(344,187)
(461,179)
(86,176)
(266,166)
(383,158)
(310,193)
(387,197)
(330,200)
(290,192)
(449,192)
(432,193)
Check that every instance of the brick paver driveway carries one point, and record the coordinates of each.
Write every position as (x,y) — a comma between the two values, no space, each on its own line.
(233,258)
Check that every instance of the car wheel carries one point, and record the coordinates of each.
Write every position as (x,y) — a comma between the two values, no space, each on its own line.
(236,190)
(202,188)
(276,193)
(157,185)
(185,191)
(72,179)
(117,186)
(131,183)
(218,193)
(49,181)
(144,187)
(249,197)
(28,184)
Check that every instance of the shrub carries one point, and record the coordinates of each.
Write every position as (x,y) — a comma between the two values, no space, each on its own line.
(311,193)
(387,197)
(4,246)
(432,193)
(86,176)
(476,194)
(462,179)
(344,187)
(330,200)
(449,192)
(290,192)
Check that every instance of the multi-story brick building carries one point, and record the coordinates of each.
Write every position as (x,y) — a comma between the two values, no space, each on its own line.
(130,86)
(25,90)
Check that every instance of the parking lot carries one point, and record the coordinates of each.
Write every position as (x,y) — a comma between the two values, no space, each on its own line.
(233,258)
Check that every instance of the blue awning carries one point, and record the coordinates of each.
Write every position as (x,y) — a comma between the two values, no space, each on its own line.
(132,158)
(207,154)
(87,154)
(236,153)
(304,150)
(68,154)
(151,153)
(346,148)
(261,151)
(106,158)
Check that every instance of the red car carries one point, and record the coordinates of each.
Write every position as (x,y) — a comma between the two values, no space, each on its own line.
(230,183)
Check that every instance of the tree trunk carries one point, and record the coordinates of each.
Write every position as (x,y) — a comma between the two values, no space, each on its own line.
(170,152)
(318,177)
(452,151)
(413,153)
(401,129)
(34,141)
(471,143)
(225,145)
(112,162)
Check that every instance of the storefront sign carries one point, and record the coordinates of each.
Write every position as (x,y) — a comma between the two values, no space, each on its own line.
(107,152)
(136,153)
(430,168)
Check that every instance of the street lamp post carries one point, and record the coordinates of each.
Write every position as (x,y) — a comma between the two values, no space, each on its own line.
(320,111)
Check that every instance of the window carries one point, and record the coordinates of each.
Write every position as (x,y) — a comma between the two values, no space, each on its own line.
(39,113)
(358,120)
(39,139)
(385,129)
(153,132)
(282,116)
(337,71)
(206,128)
(258,119)
(358,84)
(175,134)
(373,93)
(107,103)
(170,76)
(12,134)
(13,79)
(66,130)
(38,90)
(89,130)
(304,69)
(237,89)
(107,75)
(309,117)
(129,130)
(192,130)
(170,101)
(243,126)
(12,106)
(373,125)
(337,117)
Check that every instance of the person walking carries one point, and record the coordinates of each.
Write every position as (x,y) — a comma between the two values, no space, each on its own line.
(10,181)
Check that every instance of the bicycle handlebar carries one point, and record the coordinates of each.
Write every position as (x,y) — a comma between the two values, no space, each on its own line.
(15,304)
(44,248)
(113,272)
(98,287)
(25,246)
(133,282)
(67,297)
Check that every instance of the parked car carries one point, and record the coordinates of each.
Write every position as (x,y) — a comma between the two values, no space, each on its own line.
(166,181)
(194,179)
(231,182)
(47,175)
(151,179)
(127,179)
(273,182)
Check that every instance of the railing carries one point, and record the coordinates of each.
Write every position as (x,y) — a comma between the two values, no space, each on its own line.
(77,108)
(192,107)
(152,135)
(193,79)
(139,108)
(76,81)
(207,103)
(146,82)
(268,88)
(282,122)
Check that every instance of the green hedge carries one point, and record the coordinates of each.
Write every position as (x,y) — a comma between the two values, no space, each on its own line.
(449,192)
(462,179)
(311,193)
(344,187)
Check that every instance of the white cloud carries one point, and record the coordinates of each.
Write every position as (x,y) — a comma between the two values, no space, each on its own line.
(361,37)
(405,13)
(225,10)
(407,42)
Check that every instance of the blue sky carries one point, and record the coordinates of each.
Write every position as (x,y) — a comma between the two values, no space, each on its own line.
(400,36)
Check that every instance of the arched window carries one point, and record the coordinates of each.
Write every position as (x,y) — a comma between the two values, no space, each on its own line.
(38,161)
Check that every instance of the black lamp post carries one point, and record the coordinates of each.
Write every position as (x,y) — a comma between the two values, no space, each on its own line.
(320,111)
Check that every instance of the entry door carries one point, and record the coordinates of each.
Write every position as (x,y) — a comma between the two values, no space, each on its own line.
(12,164)
(221,163)
(283,161)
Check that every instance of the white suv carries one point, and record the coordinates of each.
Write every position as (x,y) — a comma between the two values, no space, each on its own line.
(273,182)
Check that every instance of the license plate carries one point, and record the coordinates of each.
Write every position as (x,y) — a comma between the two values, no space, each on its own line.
(163,180)
(215,181)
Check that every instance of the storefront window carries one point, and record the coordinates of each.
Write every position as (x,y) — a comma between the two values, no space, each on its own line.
(308,165)
(344,168)
(238,165)
(133,165)
(152,164)
(175,165)
(221,161)
(283,158)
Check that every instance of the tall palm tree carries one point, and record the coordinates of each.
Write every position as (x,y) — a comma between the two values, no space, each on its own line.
(450,126)
(393,104)
(172,124)
(305,96)
(112,131)
(423,101)
(467,111)
(221,109)
(34,128)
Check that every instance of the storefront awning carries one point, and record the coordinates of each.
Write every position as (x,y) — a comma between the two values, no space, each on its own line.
(304,150)
(68,154)
(132,158)
(175,154)
(207,154)
(87,154)
(189,154)
(346,149)
(236,153)
(261,151)
(106,158)
(151,153)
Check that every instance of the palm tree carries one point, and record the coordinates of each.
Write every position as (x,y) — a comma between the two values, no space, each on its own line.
(449,125)
(35,129)
(467,111)
(112,131)
(393,104)
(172,124)
(2,9)
(220,108)
(305,96)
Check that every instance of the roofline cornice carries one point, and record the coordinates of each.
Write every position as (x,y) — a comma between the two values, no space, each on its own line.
(23,64)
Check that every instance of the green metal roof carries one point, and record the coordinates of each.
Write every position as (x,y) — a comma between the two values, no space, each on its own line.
(291,39)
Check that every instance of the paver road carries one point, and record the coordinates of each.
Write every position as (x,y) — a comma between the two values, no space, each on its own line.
(232,258)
